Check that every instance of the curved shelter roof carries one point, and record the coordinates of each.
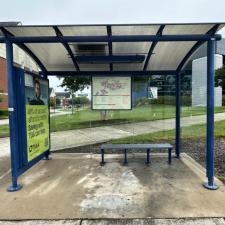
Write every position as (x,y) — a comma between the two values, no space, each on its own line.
(105,48)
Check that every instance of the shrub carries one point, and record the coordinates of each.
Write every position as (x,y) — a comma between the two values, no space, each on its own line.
(4,113)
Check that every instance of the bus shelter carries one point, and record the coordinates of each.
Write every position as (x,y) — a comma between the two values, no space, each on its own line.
(101,50)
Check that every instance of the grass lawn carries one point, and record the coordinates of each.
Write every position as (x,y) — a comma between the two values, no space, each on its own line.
(90,118)
(4,131)
(190,132)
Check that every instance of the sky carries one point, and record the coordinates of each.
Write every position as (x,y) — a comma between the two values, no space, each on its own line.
(45,12)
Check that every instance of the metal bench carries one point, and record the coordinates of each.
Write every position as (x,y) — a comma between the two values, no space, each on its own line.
(126,147)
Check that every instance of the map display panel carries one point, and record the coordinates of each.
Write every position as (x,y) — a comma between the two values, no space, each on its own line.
(111,93)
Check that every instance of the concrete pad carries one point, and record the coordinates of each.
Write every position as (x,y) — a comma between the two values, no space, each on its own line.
(74,186)
(42,222)
(211,221)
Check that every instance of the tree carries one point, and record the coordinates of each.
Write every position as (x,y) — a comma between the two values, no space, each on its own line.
(76,83)
(79,83)
(220,77)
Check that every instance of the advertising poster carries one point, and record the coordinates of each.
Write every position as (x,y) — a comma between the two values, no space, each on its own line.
(111,93)
(37,115)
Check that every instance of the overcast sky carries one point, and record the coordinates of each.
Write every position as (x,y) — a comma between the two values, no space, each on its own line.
(111,12)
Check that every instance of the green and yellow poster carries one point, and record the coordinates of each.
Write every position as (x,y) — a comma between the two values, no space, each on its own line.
(37,116)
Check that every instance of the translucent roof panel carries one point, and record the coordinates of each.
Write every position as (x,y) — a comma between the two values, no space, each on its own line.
(128,66)
(187,29)
(83,30)
(31,31)
(94,67)
(53,56)
(135,30)
(130,48)
(168,55)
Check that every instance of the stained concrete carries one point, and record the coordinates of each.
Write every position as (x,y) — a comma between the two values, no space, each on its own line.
(74,186)
(208,221)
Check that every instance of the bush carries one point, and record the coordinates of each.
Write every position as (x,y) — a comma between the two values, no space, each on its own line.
(4,113)
(164,100)
(80,101)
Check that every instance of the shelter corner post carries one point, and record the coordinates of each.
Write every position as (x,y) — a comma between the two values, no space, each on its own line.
(210,116)
(178,90)
(13,123)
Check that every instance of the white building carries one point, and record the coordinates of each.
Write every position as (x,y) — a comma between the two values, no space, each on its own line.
(199,81)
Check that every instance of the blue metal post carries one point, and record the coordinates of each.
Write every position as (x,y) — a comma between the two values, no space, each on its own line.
(178,88)
(210,116)
(12,118)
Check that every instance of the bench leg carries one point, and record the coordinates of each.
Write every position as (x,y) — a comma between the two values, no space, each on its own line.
(169,155)
(148,157)
(102,163)
(125,157)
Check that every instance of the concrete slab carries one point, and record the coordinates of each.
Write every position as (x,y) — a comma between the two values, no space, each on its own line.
(74,186)
(213,221)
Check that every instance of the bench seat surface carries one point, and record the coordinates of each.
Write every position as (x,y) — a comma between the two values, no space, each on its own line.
(140,146)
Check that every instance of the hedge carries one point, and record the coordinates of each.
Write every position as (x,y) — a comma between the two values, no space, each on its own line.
(3,113)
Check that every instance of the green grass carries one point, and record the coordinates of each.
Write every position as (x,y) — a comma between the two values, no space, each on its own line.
(4,131)
(90,118)
(193,132)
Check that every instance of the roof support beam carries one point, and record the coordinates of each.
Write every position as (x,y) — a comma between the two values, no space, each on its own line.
(109,32)
(211,32)
(150,52)
(110,59)
(111,73)
(120,38)
(67,47)
(7,34)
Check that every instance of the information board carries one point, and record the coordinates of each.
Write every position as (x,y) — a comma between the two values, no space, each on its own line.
(111,93)
(37,115)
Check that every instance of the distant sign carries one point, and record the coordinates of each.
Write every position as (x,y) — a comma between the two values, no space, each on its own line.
(111,93)
(37,116)
(152,92)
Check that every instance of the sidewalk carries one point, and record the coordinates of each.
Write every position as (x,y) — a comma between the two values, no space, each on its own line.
(87,136)
(4,122)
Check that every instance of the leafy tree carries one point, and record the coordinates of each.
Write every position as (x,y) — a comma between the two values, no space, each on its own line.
(75,83)
(220,77)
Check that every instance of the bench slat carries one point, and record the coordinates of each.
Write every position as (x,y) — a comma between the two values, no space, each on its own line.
(140,146)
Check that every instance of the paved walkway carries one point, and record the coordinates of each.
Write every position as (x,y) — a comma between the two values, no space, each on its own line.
(80,137)
(4,122)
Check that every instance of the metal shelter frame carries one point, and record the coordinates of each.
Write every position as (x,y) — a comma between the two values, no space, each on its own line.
(210,37)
